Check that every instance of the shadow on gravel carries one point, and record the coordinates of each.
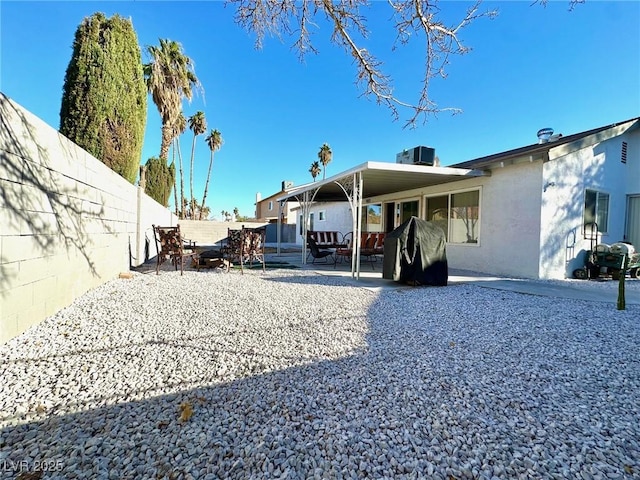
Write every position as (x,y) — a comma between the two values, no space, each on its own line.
(437,391)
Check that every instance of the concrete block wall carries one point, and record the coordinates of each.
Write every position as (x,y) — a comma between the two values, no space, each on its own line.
(67,221)
(210,233)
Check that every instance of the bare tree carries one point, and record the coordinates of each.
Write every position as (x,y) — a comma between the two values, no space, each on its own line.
(411,18)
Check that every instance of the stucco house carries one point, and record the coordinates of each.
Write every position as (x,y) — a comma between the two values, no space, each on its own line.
(517,213)
(267,208)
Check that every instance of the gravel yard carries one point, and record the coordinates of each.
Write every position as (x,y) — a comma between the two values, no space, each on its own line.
(291,374)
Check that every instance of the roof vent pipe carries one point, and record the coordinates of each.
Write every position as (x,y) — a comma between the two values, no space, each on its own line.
(544,134)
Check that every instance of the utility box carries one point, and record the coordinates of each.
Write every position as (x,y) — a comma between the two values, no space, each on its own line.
(417,156)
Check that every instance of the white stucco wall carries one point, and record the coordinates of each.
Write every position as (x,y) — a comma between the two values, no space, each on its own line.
(633,186)
(509,223)
(509,220)
(597,166)
(337,218)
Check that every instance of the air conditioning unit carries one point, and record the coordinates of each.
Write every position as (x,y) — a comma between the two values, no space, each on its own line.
(417,156)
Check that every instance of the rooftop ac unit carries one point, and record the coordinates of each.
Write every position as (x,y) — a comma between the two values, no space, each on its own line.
(417,156)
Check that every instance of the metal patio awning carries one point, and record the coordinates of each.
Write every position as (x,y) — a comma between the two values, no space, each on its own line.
(367,180)
(380,178)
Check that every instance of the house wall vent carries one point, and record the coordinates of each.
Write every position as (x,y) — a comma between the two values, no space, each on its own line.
(417,156)
(623,153)
(544,134)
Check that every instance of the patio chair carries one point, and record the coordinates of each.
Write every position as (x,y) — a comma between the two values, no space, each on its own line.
(254,240)
(231,251)
(317,253)
(368,247)
(170,246)
(245,245)
(345,252)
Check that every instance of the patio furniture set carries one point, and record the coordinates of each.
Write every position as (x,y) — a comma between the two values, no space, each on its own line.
(335,248)
(244,246)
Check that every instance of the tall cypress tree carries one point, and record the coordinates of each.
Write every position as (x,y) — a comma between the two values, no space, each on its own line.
(104,101)
(159,178)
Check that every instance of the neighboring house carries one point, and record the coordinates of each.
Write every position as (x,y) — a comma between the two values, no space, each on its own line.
(325,216)
(518,213)
(267,208)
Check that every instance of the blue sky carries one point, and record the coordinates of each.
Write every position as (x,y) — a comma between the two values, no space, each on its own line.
(529,68)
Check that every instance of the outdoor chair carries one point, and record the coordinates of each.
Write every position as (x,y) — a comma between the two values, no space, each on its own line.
(317,253)
(254,239)
(245,246)
(371,245)
(170,246)
(345,252)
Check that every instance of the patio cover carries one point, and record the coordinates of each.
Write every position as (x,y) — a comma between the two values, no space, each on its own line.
(368,180)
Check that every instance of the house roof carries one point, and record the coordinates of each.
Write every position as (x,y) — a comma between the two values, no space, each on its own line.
(379,178)
(274,196)
(540,149)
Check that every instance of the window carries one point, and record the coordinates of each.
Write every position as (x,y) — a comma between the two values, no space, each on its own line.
(596,210)
(309,225)
(270,207)
(372,218)
(457,214)
(322,215)
(408,210)
(438,212)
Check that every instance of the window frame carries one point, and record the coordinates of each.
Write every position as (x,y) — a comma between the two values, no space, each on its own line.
(449,196)
(400,211)
(365,225)
(598,195)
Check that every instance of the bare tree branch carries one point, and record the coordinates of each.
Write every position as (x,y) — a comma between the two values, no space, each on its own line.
(572,3)
(413,18)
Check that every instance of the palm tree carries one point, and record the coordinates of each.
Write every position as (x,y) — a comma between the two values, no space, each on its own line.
(175,145)
(324,155)
(179,127)
(236,213)
(214,141)
(170,78)
(175,188)
(198,125)
(315,170)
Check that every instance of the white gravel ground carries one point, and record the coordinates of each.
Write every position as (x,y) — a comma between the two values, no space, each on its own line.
(289,374)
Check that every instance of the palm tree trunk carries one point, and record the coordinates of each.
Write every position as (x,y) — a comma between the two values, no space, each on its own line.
(191,203)
(182,206)
(206,185)
(175,189)
(165,142)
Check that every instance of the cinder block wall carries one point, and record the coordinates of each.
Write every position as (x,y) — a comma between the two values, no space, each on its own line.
(210,233)
(67,222)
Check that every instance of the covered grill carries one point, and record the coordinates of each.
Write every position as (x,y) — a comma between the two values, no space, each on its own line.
(415,253)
